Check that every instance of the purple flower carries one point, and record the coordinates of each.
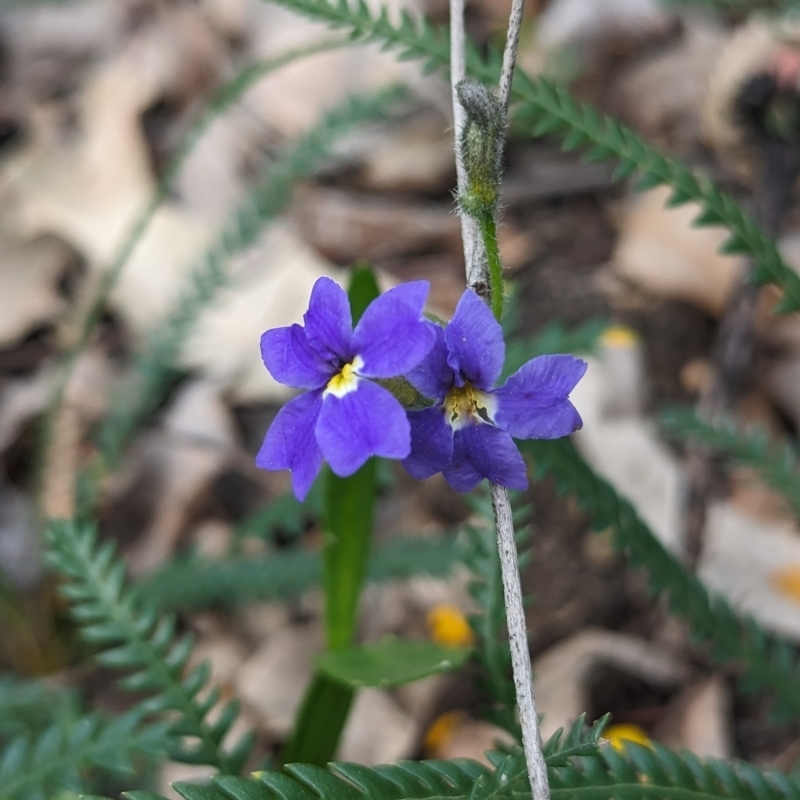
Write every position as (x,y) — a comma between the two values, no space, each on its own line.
(345,417)
(467,433)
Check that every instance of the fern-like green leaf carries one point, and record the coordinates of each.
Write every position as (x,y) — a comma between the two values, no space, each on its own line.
(27,707)
(544,101)
(777,464)
(552,110)
(427,780)
(131,636)
(62,755)
(408,780)
(198,583)
(770,664)
(657,773)
(638,772)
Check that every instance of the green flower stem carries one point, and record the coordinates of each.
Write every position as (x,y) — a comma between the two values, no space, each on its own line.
(488,228)
(349,506)
(319,722)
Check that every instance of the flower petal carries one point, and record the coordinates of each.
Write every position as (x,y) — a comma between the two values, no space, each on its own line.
(475,343)
(366,422)
(329,325)
(391,337)
(484,451)
(290,442)
(533,404)
(433,376)
(290,359)
(431,443)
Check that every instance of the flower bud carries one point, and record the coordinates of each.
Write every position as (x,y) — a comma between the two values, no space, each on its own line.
(481,148)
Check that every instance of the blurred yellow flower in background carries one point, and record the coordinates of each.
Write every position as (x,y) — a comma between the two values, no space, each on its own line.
(448,626)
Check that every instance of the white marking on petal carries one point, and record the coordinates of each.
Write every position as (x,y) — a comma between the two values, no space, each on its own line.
(346,380)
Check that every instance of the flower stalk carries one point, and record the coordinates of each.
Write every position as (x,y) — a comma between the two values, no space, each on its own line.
(488,228)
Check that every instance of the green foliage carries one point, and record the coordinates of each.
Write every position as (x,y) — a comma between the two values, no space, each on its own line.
(27,707)
(349,506)
(480,556)
(580,767)
(579,740)
(311,742)
(510,774)
(555,337)
(284,514)
(154,366)
(132,637)
(770,665)
(63,754)
(776,463)
(390,662)
(552,110)
(199,583)
(659,773)
(409,780)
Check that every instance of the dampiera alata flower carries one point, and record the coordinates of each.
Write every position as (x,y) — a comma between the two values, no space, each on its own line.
(344,417)
(467,433)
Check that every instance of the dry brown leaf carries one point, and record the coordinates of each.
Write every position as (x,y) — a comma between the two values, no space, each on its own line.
(751,562)
(88,189)
(563,673)
(271,288)
(272,681)
(346,227)
(699,720)
(375,710)
(661,251)
(575,22)
(291,100)
(196,442)
(29,276)
(664,94)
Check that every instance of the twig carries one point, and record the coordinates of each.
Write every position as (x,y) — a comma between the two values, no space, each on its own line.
(477,279)
(510,54)
(518,640)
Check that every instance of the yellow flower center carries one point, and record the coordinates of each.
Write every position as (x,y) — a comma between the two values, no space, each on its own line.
(467,404)
(346,380)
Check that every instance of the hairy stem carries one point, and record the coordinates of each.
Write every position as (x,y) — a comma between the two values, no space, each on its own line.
(488,228)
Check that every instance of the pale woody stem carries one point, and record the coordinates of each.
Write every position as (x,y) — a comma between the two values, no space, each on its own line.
(476,269)
(518,640)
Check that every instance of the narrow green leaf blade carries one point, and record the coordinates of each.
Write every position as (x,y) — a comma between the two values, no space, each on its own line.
(319,723)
